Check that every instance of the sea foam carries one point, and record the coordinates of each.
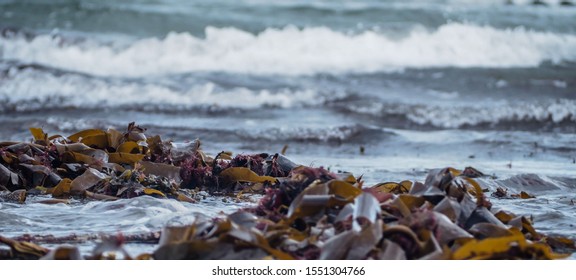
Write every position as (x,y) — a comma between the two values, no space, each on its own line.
(294,51)
(21,93)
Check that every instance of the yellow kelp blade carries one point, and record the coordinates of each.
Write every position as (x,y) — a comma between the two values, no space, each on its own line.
(243,174)
(39,136)
(98,196)
(185,198)
(525,195)
(23,249)
(343,189)
(393,187)
(114,137)
(502,247)
(129,147)
(152,192)
(63,253)
(62,190)
(124,158)
(85,133)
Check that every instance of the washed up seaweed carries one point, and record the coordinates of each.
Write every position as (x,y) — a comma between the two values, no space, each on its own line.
(304,213)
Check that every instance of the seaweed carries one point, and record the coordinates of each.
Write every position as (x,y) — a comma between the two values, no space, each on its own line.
(304,213)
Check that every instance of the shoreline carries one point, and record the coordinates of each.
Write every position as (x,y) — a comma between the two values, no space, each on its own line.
(303,211)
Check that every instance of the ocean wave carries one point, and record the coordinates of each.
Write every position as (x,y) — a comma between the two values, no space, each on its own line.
(31,90)
(136,215)
(332,134)
(294,51)
(457,116)
(532,183)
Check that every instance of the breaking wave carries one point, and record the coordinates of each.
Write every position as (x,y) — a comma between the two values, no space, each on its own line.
(31,90)
(457,116)
(294,51)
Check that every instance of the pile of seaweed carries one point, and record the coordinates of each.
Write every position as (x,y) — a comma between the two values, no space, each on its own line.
(305,212)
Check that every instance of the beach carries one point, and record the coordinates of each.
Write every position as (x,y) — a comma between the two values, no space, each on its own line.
(386,90)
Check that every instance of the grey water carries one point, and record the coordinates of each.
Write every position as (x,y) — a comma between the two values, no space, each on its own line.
(417,84)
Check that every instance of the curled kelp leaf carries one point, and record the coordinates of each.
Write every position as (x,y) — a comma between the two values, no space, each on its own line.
(40,137)
(366,240)
(125,158)
(561,244)
(522,195)
(504,216)
(62,148)
(482,215)
(450,207)
(337,247)
(87,180)
(344,190)
(278,165)
(441,178)
(472,172)
(514,246)
(184,198)
(243,219)
(488,230)
(129,147)
(444,230)
(9,179)
(243,174)
(92,157)
(39,175)
(366,211)
(154,193)
(115,138)
(23,250)
(231,239)
(98,196)
(62,190)
(405,204)
(95,138)
(392,187)
(63,253)
(525,225)
(310,202)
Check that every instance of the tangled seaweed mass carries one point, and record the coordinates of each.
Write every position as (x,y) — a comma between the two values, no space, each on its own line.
(305,212)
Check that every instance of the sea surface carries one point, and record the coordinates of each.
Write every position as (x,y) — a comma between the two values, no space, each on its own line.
(417,85)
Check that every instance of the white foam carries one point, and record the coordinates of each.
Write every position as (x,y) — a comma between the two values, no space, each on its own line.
(455,115)
(293,51)
(306,134)
(555,110)
(22,92)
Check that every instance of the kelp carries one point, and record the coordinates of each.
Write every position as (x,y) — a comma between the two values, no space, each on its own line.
(304,213)
(502,193)
(99,164)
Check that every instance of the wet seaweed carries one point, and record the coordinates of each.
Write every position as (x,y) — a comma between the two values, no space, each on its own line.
(304,213)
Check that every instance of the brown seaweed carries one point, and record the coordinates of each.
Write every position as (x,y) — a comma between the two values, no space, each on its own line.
(305,212)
